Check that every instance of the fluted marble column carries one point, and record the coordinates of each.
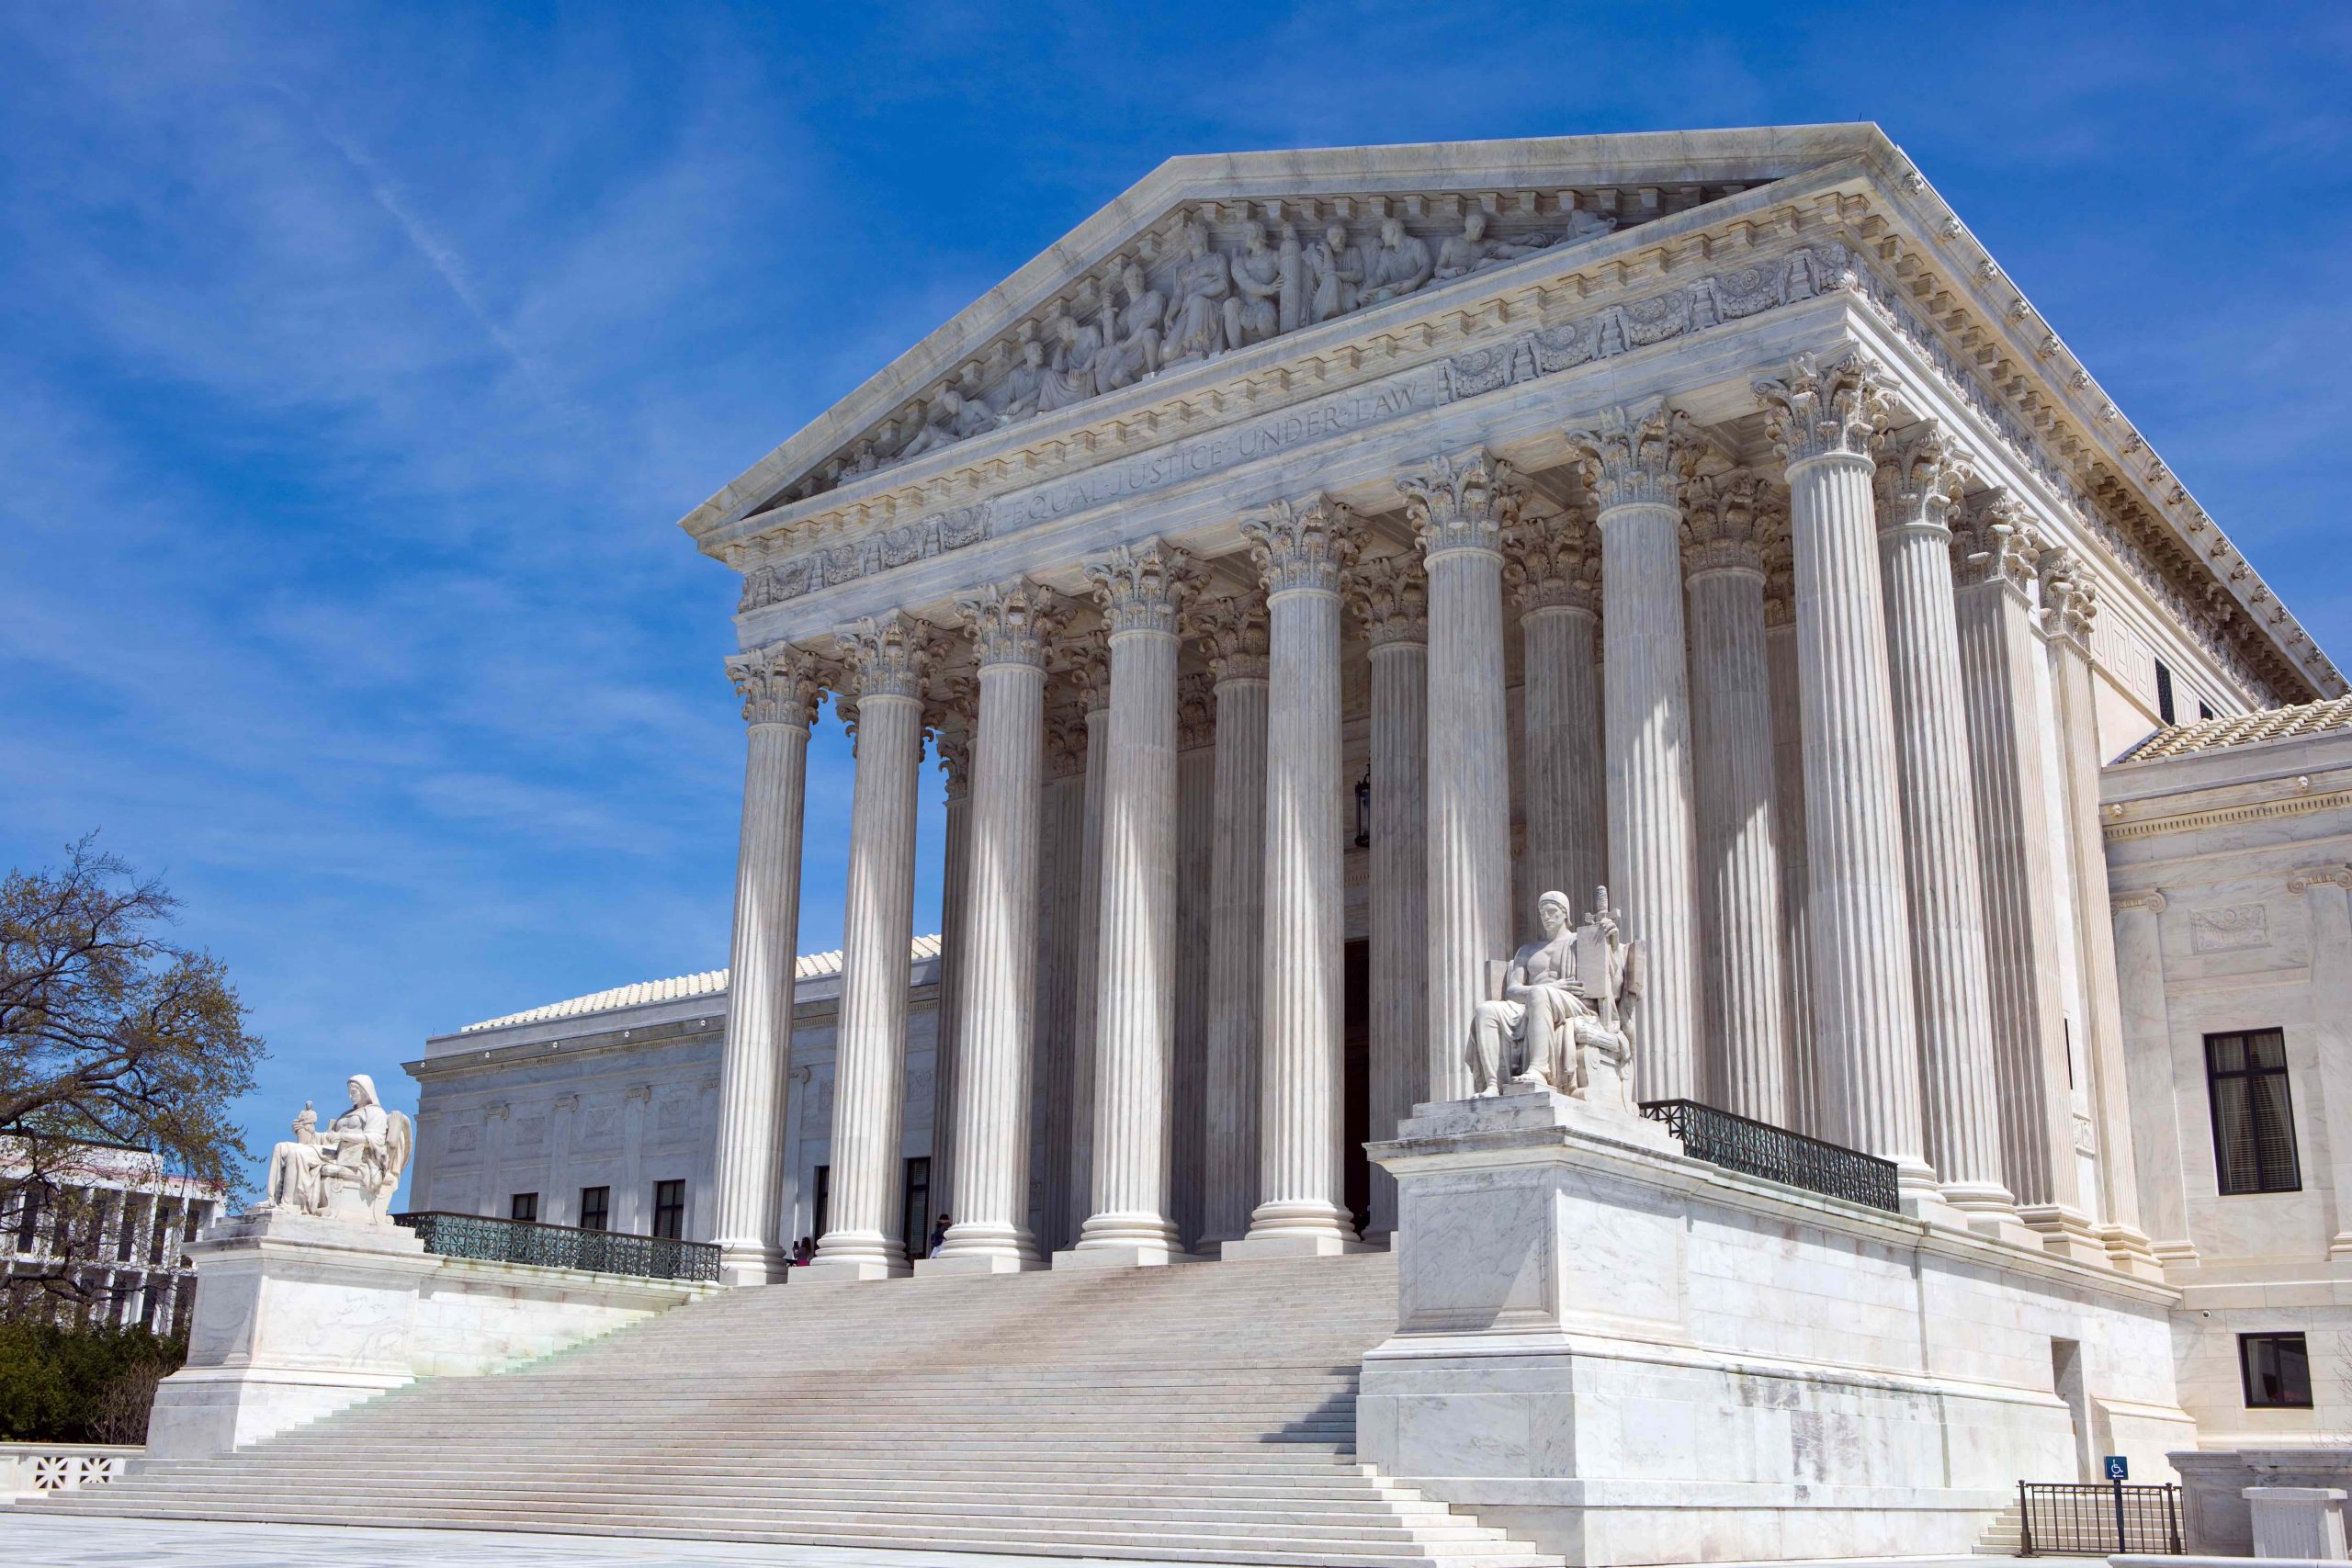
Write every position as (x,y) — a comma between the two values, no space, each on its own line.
(780,687)
(1301,549)
(1553,567)
(1091,661)
(1999,654)
(1009,625)
(1196,835)
(887,657)
(1231,633)
(1822,417)
(1140,588)
(2148,1050)
(1738,804)
(1637,461)
(1918,481)
(2070,607)
(952,722)
(1057,983)
(1390,597)
(1460,506)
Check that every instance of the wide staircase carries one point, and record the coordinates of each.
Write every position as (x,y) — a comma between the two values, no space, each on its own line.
(1201,1413)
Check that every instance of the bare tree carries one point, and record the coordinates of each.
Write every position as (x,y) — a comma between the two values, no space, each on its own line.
(111,1039)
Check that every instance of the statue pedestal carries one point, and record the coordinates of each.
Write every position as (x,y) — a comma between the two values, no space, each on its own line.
(296,1317)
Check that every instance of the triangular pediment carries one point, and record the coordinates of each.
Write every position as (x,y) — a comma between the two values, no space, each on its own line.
(1210,254)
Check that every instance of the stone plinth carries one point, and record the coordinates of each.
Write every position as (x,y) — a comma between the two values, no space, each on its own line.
(2305,1522)
(1628,1356)
(296,1317)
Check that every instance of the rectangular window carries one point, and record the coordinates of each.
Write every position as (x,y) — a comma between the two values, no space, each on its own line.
(2253,1116)
(2164,692)
(596,1208)
(915,1214)
(524,1206)
(2278,1371)
(669,1208)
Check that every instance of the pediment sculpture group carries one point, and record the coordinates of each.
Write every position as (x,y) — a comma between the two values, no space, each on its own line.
(1213,303)
(349,1171)
(1558,1011)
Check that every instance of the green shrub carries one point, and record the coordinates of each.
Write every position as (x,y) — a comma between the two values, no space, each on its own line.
(80,1385)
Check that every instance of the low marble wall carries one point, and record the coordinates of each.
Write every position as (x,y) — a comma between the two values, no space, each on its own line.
(1630,1356)
(2215,1517)
(474,1317)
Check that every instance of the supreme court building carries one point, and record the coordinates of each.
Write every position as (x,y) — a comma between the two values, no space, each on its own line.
(1316,556)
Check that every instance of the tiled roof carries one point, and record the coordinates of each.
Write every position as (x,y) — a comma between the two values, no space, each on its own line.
(709,983)
(2244,729)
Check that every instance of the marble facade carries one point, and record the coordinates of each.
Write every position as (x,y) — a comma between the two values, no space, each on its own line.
(1313,561)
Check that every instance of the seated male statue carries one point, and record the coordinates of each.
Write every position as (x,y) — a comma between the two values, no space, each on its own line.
(1566,1000)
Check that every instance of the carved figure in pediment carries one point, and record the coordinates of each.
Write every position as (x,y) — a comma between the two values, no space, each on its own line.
(1252,314)
(1135,347)
(1336,268)
(951,420)
(1290,266)
(1194,325)
(1400,263)
(1470,250)
(1583,225)
(1025,385)
(1070,376)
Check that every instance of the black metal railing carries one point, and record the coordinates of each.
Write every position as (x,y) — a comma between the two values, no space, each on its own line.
(2097,1519)
(562,1247)
(1759,1148)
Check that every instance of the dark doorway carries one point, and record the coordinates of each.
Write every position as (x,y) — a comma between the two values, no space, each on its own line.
(1355,1096)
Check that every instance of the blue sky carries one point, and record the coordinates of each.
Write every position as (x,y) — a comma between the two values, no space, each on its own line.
(357,361)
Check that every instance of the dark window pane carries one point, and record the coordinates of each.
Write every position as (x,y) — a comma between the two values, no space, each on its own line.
(596,1208)
(2254,1119)
(2277,1373)
(524,1206)
(669,1209)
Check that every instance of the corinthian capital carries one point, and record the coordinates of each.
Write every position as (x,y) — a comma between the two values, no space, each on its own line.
(1551,563)
(1776,547)
(886,655)
(1302,545)
(1390,594)
(1462,502)
(779,683)
(1638,456)
(1722,526)
(1141,587)
(1231,633)
(1819,411)
(1997,542)
(1012,622)
(1921,477)
(2069,597)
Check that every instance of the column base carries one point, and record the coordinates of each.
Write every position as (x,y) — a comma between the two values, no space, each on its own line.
(2128,1252)
(975,1247)
(2065,1232)
(1989,1209)
(1291,1245)
(750,1265)
(1124,1241)
(857,1255)
(978,1262)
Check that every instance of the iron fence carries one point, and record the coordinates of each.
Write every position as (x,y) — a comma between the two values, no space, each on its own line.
(1759,1148)
(562,1247)
(2098,1519)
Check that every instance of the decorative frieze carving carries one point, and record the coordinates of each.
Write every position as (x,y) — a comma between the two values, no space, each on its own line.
(1302,546)
(2232,928)
(1390,597)
(1231,633)
(780,683)
(1821,410)
(1462,502)
(1010,622)
(829,564)
(1921,477)
(885,656)
(1720,525)
(1142,587)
